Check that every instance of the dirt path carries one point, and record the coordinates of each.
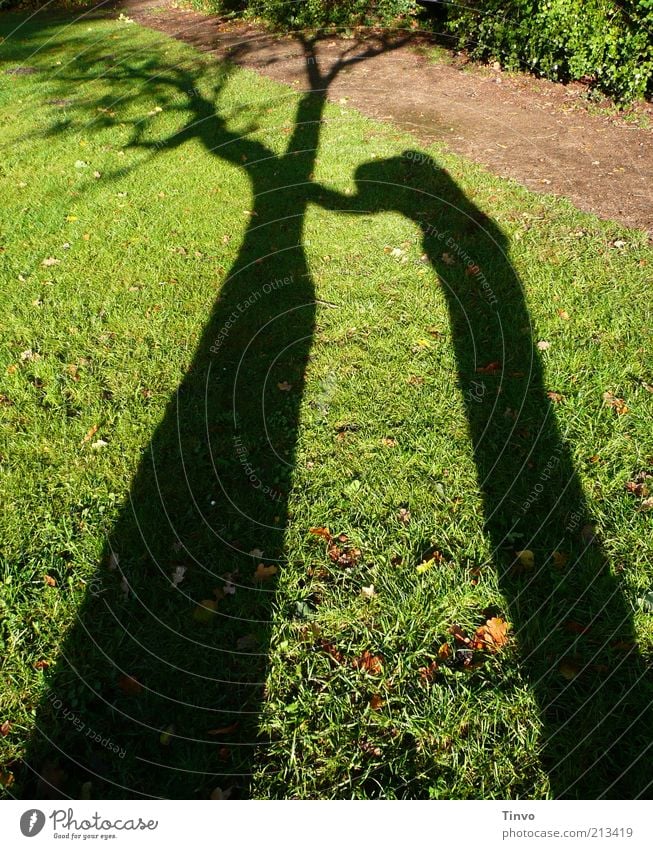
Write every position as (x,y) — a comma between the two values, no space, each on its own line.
(540,134)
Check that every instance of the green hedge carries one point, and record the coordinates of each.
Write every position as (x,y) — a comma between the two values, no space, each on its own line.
(605,42)
(318,13)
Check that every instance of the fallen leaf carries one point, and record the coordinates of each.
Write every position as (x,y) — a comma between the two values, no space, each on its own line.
(99,445)
(205,611)
(490,368)
(178,574)
(588,533)
(368,592)
(404,515)
(130,686)
(284,386)
(638,488)
(264,573)
(247,643)
(526,559)
(50,581)
(444,652)
(617,404)
(572,627)
(427,673)
(256,553)
(459,635)
(368,662)
(376,702)
(321,532)
(220,795)
(569,669)
(167,735)
(334,653)
(563,314)
(421,344)
(343,556)
(556,397)
(5,728)
(41,664)
(219,732)
(448,259)
(647,504)
(6,778)
(560,559)
(492,636)
(543,345)
(50,261)
(29,356)
(91,433)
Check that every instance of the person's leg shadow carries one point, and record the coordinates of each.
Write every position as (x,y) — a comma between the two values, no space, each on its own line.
(568,609)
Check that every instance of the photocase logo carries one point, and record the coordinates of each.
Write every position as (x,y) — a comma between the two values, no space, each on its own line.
(32,822)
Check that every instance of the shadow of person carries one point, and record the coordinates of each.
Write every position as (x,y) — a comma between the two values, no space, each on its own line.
(158,688)
(572,621)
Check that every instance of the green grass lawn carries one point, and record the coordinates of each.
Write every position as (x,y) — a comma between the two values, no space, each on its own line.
(233,313)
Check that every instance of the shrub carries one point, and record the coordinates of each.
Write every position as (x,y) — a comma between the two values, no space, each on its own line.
(605,42)
(317,13)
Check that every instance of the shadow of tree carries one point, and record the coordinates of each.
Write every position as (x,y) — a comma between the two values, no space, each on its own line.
(210,498)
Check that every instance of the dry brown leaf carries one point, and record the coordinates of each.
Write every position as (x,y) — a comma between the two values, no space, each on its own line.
(560,559)
(129,685)
(368,662)
(617,404)
(5,728)
(459,635)
(284,386)
(492,636)
(228,729)
(205,611)
(525,559)
(556,397)
(332,651)
(6,778)
(264,573)
(427,673)
(321,532)
(569,669)
(166,736)
(220,795)
(91,433)
(490,368)
(376,702)
(50,581)
(444,652)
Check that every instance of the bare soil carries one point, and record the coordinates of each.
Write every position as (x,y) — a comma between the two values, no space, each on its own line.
(544,135)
